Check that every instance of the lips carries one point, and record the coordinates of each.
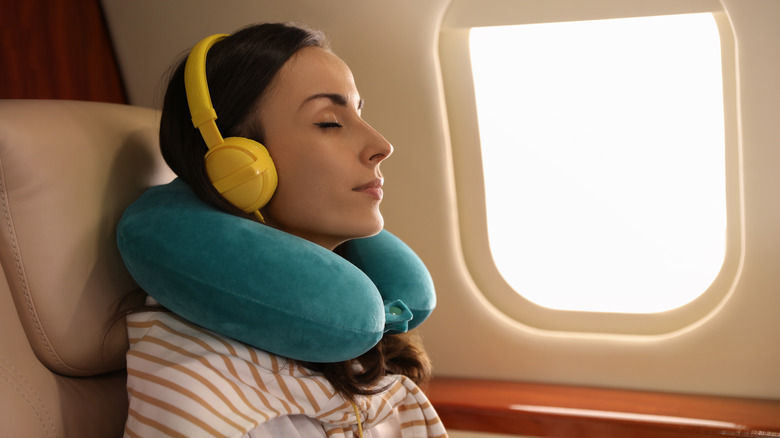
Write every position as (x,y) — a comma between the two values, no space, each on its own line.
(372,188)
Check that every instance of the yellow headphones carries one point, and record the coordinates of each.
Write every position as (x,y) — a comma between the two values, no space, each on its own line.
(239,168)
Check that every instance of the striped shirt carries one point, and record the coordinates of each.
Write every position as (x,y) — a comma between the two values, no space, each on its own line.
(185,381)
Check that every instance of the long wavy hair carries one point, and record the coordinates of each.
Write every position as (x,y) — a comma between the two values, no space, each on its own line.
(239,70)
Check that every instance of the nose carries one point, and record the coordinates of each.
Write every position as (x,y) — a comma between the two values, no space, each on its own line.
(376,148)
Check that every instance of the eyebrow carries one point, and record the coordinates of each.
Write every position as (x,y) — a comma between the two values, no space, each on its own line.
(338,99)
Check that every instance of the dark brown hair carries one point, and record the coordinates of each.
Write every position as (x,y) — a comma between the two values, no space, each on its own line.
(239,71)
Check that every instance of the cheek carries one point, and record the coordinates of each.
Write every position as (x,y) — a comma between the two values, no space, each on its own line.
(313,164)
(304,182)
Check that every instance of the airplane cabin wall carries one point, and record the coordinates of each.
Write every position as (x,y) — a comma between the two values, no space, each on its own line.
(392,48)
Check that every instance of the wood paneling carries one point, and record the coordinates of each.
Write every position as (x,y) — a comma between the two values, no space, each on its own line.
(571,411)
(57,49)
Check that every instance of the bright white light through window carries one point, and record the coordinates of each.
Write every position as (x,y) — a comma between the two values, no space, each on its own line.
(603,152)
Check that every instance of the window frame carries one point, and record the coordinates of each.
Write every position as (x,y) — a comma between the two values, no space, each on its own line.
(454,57)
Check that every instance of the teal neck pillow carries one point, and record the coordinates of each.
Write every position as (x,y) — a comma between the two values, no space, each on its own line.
(267,288)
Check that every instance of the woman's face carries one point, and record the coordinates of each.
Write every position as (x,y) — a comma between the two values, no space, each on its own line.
(327,157)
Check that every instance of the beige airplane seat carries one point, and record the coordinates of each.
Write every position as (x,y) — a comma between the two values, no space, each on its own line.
(67,171)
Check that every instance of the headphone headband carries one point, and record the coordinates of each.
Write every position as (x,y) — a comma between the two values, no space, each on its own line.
(240,169)
(198,97)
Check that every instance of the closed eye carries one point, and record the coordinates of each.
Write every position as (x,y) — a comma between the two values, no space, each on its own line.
(326,125)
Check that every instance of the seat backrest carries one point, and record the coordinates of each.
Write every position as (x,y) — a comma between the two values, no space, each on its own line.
(67,171)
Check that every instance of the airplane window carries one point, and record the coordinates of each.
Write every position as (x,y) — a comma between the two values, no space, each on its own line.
(603,156)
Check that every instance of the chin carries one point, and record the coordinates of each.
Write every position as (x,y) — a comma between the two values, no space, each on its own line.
(370,227)
(343,228)
(373,230)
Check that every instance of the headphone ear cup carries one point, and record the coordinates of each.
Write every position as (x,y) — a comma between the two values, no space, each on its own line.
(242,172)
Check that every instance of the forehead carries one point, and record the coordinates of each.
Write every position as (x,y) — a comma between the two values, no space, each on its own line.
(313,71)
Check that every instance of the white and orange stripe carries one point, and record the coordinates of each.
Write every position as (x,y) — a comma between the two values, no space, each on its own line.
(185,381)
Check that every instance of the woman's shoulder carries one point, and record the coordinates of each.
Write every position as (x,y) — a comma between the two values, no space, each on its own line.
(196,383)
(163,332)
(199,383)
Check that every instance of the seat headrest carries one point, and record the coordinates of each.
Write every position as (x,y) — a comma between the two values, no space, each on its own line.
(67,172)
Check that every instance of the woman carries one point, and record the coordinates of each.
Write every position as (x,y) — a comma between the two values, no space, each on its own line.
(280,85)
